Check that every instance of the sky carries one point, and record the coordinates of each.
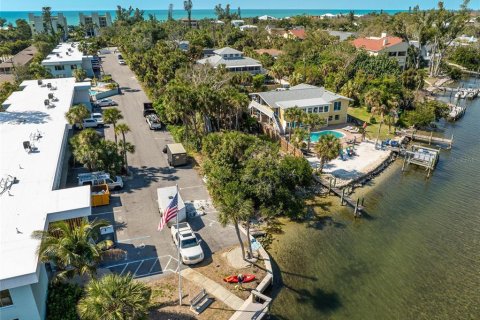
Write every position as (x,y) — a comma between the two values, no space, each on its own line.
(35,5)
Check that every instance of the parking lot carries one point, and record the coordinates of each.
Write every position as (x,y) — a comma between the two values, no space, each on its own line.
(134,210)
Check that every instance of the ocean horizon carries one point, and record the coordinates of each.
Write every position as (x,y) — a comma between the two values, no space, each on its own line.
(73,15)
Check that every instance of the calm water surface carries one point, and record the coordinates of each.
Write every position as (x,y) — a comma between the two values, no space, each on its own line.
(417,255)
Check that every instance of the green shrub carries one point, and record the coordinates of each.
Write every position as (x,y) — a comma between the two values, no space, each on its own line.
(372,120)
(62,301)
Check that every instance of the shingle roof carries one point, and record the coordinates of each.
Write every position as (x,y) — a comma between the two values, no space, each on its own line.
(376,44)
(298,33)
(217,60)
(227,50)
(300,95)
(21,58)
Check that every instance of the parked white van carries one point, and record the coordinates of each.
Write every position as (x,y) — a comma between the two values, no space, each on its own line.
(99,177)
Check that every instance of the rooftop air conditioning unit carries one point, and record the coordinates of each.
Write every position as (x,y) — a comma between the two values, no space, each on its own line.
(49,85)
(50,96)
(46,102)
(39,82)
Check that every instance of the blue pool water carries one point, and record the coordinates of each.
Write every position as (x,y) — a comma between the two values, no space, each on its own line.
(315,136)
(92,92)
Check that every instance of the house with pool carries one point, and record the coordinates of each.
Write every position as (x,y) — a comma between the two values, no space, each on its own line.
(269,107)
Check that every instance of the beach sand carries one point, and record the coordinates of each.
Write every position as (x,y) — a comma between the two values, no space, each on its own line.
(366,160)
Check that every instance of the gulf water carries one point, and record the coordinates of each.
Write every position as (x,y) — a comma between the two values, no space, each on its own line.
(73,16)
(415,256)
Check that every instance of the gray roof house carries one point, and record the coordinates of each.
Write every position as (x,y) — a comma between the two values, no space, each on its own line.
(269,107)
(233,60)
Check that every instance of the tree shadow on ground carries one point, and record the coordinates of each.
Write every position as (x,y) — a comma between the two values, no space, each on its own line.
(166,315)
(320,222)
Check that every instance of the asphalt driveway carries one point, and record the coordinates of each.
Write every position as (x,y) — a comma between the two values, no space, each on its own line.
(134,210)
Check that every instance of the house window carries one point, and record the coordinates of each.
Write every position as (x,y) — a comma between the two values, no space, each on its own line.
(402,53)
(309,110)
(315,110)
(337,106)
(330,118)
(73,66)
(59,67)
(337,117)
(5,298)
(325,108)
(392,54)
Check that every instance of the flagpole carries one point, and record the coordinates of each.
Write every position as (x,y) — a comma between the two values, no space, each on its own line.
(178,255)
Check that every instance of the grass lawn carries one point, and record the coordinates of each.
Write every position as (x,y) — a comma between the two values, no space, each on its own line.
(372,129)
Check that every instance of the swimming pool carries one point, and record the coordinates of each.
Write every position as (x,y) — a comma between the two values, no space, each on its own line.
(315,136)
(92,92)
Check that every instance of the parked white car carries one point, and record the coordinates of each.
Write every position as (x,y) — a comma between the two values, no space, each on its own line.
(122,62)
(106,102)
(89,123)
(99,117)
(190,250)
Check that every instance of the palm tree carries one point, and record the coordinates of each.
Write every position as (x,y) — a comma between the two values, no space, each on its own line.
(187,5)
(79,74)
(73,249)
(327,148)
(234,208)
(115,297)
(85,148)
(375,99)
(312,120)
(47,20)
(299,135)
(76,114)
(125,147)
(294,116)
(111,116)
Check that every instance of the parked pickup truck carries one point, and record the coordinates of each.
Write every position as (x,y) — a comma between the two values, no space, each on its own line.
(98,178)
(148,109)
(190,250)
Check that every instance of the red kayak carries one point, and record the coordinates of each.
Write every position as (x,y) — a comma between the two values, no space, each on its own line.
(234,279)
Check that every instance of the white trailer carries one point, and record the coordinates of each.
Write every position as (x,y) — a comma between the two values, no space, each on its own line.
(165,196)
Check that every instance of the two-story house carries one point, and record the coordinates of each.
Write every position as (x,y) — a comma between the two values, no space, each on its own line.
(269,107)
(394,47)
(233,60)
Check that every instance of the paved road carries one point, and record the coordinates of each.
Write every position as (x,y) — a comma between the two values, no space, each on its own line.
(134,209)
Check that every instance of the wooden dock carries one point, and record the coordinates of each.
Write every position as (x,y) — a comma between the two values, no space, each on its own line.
(414,136)
(357,205)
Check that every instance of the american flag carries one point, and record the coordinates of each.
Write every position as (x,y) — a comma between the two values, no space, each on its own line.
(169,213)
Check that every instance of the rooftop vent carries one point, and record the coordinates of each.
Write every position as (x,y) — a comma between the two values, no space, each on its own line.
(46,102)
(49,85)
(58,54)
(39,82)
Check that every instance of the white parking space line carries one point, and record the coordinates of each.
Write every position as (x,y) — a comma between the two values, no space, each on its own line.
(136,270)
(132,239)
(169,260)
(153,265)
(123,270)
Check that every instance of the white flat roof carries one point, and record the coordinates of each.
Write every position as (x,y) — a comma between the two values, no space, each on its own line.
(25,206)
(74,55)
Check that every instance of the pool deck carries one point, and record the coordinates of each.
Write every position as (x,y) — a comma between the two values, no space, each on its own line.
(366,159)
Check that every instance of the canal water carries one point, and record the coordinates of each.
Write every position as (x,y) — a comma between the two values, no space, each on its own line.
(416,255)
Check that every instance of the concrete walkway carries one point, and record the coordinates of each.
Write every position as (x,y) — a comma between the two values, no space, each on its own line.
(219,292)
